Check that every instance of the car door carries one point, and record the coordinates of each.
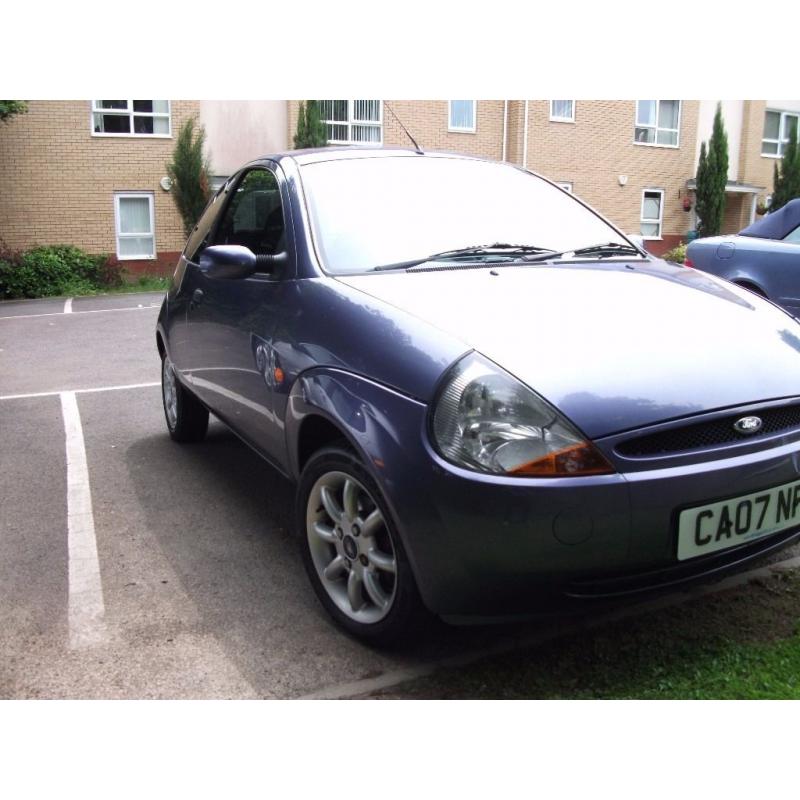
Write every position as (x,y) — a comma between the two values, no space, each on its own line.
(179,296)
(230,321)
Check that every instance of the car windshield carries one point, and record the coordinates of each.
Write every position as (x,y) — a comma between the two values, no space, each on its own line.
(368,212)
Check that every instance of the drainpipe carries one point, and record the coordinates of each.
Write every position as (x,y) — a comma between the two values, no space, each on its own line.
(505,126)
(525,139)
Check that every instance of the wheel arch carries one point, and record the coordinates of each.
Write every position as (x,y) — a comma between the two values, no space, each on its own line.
(328,405)
(751,285)
(162,349)
(316,431)
(379,425)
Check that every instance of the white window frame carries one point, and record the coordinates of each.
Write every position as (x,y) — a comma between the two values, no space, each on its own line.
(660,219)
(565,185)
(119,235)
(783,137)
(657,127)
(453,129)
(351,121)
(130,113)
(555,118)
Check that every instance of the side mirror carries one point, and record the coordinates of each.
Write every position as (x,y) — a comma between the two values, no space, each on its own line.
(229,261)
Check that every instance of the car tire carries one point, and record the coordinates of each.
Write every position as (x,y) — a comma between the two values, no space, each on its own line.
(186,416)
(355,562)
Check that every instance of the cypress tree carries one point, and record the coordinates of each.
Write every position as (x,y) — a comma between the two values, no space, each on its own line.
(300,133)
(311,130)
(189,171)
(711,178)
(700,180)
(787,174)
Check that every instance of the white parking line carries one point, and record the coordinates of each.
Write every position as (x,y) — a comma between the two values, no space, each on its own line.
(68,306)
(75,313)
(367,686)
(86,610)
(78,391)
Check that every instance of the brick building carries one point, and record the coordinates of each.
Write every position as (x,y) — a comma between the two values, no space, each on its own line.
(632,160)
(91,173)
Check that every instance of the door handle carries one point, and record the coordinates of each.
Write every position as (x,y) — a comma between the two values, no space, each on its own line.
(197,298)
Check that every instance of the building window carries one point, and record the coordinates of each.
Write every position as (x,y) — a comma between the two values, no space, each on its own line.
(131,118)
(777,127)
(657,122)
(562,111)
(652,213)
(135,223)
(352,121)
(565,185)
(461,116)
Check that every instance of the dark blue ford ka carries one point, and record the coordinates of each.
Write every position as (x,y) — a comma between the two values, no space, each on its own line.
(492,402)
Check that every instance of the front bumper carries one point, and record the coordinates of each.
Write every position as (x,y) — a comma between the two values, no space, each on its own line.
(491,546)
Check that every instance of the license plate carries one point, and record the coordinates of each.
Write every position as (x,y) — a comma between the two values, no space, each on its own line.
(717,526)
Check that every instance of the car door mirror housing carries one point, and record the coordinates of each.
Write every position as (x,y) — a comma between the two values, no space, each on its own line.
(234,261)
(270,264)
(228,261)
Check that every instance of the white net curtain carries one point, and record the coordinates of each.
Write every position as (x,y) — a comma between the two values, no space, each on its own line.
(352,120)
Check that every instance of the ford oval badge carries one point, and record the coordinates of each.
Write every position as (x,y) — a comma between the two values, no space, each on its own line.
(748,425)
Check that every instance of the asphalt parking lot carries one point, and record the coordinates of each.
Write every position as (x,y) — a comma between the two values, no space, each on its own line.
(198,589)
(173,573)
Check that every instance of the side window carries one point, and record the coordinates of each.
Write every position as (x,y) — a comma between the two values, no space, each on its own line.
(254,216)
(793,236)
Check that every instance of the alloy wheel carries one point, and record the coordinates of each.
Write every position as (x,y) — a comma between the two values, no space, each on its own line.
(351,547)
(169,390)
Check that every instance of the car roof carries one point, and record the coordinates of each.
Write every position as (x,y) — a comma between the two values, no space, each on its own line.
(777,224)
(336,153)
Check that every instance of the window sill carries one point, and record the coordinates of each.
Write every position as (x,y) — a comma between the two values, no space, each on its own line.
(131,135)
(562,119)
(341,143)
(461,130)
(136,258)
(654,144)
(770,155)
(652,238)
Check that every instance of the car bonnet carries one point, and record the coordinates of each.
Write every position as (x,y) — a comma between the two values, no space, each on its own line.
(614,346)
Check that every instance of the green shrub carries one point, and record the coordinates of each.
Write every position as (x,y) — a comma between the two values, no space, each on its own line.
(677,254)
(54,270)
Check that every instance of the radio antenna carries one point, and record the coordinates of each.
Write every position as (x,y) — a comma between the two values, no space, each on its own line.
(405,130)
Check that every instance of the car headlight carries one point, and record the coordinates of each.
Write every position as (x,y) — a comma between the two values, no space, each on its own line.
(486,420)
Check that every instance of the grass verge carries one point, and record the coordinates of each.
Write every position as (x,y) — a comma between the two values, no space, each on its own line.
(144,283)
(743,643)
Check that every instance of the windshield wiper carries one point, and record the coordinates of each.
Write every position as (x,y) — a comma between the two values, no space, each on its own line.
(603,250)
(498,248)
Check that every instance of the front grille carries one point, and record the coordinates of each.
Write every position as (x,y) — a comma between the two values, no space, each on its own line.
(708,434)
